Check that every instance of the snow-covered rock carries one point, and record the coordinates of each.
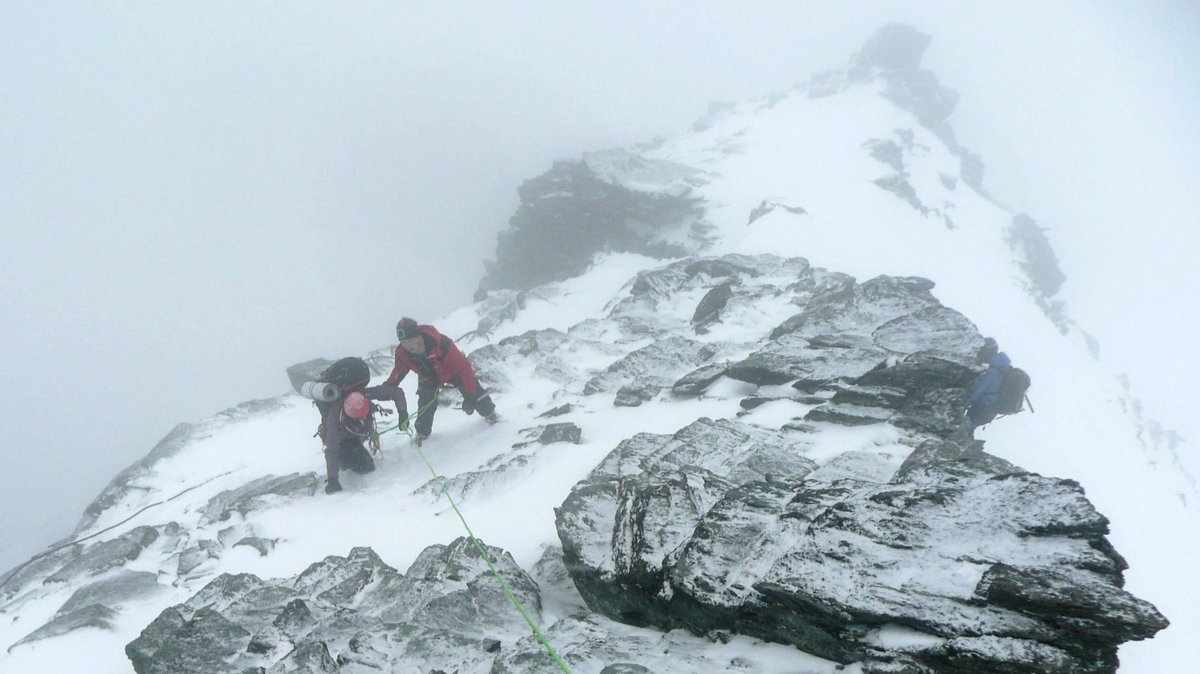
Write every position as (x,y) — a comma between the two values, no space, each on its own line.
(731,368)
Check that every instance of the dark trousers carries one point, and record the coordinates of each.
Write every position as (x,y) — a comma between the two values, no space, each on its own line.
(981,414)
(478,401)
(352,455)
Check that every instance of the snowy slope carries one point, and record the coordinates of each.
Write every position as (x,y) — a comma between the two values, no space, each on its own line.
(793,176)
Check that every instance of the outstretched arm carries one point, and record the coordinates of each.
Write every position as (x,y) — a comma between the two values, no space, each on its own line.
(390,392)
(399,370)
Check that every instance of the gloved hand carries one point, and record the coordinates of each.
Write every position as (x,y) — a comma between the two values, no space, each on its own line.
(403,422)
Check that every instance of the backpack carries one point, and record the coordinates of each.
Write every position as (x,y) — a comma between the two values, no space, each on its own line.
(1014,382)
(347,372)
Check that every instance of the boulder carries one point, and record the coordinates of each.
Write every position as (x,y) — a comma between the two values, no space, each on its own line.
(347,614)
(995,568)
(257,493)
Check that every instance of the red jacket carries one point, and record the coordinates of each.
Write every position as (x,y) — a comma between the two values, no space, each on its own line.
(442,362)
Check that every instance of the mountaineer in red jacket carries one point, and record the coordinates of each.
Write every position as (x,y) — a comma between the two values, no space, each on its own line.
(437,361)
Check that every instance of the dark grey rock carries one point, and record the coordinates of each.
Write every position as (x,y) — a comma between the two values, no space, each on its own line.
(122,587)
(1036,257)
(731,266)
(657,364)
(557,411)
(498,308)
(564,432)
(654,536)
(632,395)
(859,309)
(920,92)
(100,557)
(590,643)
(207,642)
(768,206)
(264,546)
(697,381)
(619,525)
(92,615)
(849,415)
(353,613)
(253,495)
(549,434)
(174,442)
(709,309)
(758,401)
(194,556)
(1087,604)
(888,152)
(310,657)
(897,184)
(37,568)
(790,359)
(569,214)
(540,345)
(625,668)
(896,46)
(310,370)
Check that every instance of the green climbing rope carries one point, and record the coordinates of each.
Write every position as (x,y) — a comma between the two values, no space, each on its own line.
(479,546)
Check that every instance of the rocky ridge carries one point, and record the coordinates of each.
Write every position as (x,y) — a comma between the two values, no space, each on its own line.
(837,513)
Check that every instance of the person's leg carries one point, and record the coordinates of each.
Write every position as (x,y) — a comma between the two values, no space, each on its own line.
(979,415)
(332,465)
(477,400)
(483,403)
(356,457)
(426,406)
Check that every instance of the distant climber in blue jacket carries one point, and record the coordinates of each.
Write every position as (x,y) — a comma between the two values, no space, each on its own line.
(987,390)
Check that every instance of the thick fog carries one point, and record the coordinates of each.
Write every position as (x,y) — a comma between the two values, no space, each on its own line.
(194,196)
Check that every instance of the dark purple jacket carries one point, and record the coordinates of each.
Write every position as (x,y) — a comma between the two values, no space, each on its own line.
(337,427)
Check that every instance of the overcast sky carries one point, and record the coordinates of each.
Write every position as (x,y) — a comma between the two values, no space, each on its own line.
(194,196)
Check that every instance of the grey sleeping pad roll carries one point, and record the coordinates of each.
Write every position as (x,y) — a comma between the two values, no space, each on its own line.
(319,390)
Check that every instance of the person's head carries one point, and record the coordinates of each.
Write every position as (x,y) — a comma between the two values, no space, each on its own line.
(988,351)
(409,336)
(356,406)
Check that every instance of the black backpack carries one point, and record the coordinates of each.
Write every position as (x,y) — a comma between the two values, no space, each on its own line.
(1014,382)
(347,372)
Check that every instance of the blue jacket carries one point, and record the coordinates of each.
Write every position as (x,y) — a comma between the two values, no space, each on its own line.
(987,389)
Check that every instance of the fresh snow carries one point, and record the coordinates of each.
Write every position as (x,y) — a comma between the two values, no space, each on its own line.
(802,152)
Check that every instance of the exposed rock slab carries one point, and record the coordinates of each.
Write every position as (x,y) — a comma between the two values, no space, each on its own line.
(346,614)
(1001,569)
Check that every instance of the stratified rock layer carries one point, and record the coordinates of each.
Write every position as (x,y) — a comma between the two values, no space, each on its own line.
(729,526)
(345,614)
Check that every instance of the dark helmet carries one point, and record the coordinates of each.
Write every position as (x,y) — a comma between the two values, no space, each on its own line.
(988,351)
(406,329)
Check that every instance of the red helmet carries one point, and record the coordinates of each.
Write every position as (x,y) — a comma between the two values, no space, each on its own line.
(357,406)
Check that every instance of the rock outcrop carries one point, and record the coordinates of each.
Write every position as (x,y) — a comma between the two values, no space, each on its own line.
(988,568)
(729,526)
(609,201)
(346,614)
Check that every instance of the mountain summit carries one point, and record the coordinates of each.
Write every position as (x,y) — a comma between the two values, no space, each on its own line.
(731,368)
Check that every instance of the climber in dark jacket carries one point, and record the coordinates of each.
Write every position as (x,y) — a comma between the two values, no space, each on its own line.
(436,360)
(987,389)
(349,422)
